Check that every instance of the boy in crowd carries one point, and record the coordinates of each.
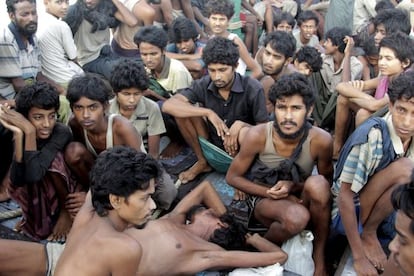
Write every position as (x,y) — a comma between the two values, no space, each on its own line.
(94,131)
(169,74)
(374,161)
(129,82)
(41,182)
(186,46)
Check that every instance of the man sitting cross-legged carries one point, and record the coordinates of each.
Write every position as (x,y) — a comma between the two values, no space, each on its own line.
(228,100)
(282,193)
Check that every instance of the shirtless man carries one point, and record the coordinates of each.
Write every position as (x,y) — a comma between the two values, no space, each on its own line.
(288,148)
(189,225)
(94,131)
(121,197)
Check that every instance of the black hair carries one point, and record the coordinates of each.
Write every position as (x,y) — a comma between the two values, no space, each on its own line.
(283,16)
(40,94)
(120,171)
(402,87)
(336,35)
(307,15)
(225,7)
(311,56)
(221,50)
(368,45)
(383,5)
(152,35)
(127,74)
(89,85)
(182,29)
(401,44)
(281,42)
(231,237)
(402,199)
(290,85)
(10,4)
(394,20)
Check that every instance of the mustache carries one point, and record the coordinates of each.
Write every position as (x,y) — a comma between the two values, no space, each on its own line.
(288,122)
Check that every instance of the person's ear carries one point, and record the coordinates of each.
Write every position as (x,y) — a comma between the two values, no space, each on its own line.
(406,63)
(115,201)
(310,111)
(288,61)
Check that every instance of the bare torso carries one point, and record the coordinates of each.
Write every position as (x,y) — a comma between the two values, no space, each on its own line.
(174,251)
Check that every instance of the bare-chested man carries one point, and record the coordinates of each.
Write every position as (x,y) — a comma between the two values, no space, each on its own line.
(192,236)
(121,197)
(282,192)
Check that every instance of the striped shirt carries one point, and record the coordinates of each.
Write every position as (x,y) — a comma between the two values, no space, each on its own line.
(17,60)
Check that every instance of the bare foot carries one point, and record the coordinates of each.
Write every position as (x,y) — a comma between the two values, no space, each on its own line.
(196,169)
(172,150)
(320,269)
(373,250)
(62,227)
(18,227)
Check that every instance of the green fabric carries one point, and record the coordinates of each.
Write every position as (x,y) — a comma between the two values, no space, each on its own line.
(217,158)
(64,111)
(325,103)
(157,88)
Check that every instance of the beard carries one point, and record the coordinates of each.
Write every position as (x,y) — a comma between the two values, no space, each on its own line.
(28,30)
(292,136)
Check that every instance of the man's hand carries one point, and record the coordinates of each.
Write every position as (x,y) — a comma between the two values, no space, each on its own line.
(280,190)
(15,120)
(349,45)
(364,267)
(219,124)
(74,202)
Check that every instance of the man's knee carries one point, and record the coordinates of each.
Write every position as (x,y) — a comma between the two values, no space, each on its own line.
(403,167)
(74,152)
(296,218)
(317,188)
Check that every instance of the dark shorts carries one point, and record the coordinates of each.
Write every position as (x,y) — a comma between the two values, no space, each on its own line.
(337,226)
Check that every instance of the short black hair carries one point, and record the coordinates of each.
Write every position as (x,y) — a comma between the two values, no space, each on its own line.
(281,42)
(232,237)
(368,45)
(283,16)
(89,85)
(40,94)
(311,56)
(220,50)
(290,85)
(120,171)
(225,7)
(10,4)
(401,44)
(402,87)
(383,5)
(394,20)
(307,15)
(336,35)
(129,73)
(152,35)
(182,29)
(402,199)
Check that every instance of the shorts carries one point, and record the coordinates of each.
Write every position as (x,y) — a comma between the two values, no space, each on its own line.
(337,226)
(53,252)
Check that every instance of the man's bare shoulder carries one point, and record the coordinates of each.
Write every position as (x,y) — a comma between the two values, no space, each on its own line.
(320,136)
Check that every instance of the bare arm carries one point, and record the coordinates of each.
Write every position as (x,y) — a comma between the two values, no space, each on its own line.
(250,62)
(203,193)
(124,15)
(126,134)
(346,69)
(323,144)
(252,144)
(179,106)
(154,145)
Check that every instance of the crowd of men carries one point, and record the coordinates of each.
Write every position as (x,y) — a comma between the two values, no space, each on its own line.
(310,102)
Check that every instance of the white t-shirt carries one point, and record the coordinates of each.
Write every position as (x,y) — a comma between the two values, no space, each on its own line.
(57,48)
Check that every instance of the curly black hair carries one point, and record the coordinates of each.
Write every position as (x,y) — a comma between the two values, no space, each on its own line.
(221,50)
(129,74)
